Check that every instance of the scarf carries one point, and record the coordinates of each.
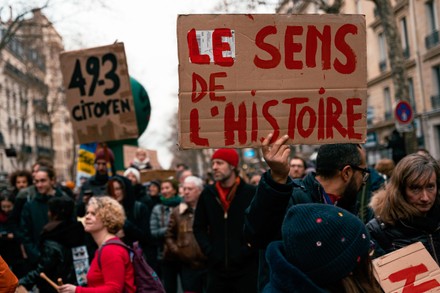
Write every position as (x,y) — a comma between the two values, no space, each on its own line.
(227,194)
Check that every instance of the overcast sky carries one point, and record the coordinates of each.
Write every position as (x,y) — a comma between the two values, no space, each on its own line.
(148,30)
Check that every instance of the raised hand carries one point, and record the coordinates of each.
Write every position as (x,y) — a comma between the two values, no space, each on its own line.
(276,156)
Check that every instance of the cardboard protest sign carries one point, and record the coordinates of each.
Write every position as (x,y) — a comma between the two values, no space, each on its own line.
(244,76)
(409,269)
(130,153)
(86,162)
(98,94)
(148,175)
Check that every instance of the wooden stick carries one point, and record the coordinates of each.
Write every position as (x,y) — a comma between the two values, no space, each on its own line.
(60,282)
(43,275)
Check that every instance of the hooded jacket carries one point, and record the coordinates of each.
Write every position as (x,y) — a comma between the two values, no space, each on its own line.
(56,243)
(137,223)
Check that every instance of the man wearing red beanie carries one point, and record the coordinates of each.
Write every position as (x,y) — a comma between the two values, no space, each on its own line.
(218,227)
(97,184)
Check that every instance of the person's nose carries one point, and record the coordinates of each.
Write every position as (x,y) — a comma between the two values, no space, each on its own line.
(424,197)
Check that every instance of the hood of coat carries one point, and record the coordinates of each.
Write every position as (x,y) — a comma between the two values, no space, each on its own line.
(129,195)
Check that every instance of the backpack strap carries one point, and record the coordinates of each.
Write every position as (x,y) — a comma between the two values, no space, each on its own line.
(114,242)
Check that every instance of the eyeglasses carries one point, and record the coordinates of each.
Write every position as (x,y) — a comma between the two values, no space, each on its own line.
(365,172)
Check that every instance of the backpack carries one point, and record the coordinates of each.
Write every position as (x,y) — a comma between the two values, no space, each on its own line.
(145,278)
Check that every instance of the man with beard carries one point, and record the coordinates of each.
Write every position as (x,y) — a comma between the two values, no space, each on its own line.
(341,171)
(218,227)
(97,184)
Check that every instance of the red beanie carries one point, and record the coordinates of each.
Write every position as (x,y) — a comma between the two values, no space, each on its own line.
(106,154)
(228,155)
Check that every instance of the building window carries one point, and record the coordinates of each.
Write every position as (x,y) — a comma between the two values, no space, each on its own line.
(387,103)
(412,95)
(432,39)
(404,36)
(382,53)
(435,98)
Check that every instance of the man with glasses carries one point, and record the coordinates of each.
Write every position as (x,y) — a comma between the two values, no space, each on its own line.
(341,171)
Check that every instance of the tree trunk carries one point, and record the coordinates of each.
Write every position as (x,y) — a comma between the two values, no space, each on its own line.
(397,62)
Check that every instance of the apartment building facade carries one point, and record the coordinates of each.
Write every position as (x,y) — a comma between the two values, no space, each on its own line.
(34,120)
(418,24)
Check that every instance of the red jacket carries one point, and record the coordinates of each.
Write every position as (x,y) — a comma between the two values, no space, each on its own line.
(116,272)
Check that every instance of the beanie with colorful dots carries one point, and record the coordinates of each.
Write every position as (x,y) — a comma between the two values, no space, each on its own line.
(323,241)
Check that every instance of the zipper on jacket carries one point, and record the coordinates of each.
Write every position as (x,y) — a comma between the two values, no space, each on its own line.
(226,240)
(225,217)
(431,241)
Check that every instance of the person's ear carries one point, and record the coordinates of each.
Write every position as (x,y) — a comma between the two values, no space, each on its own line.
(346,173)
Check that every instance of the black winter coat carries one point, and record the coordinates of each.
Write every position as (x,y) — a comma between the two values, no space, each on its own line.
(388,237)
(265,215)
(220,234)
(33,219)
(56,260)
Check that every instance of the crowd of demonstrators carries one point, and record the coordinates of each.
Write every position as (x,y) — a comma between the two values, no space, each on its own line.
(180,243)
(159,220)
(62,233)
(258,234)
(408,209)
(112,271)
(218,227)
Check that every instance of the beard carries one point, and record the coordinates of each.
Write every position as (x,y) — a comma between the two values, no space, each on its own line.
(349,197)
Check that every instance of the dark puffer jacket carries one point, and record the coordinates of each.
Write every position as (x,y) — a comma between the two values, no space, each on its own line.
(57,240)
(388,237)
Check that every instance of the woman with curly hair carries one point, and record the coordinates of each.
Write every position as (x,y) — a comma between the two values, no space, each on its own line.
(408,209)
(113,272)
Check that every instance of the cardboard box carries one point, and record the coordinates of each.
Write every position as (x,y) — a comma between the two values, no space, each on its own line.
(244,76)
(407,270)
(130,152)
(98,94)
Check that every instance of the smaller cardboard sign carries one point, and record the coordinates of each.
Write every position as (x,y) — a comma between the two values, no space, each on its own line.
(98,94)
(148,175)
(129,152)
(409,269)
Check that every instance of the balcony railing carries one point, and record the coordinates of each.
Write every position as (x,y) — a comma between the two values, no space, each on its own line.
(42,151)
(432,39)
(435,101)
(43,127)
(26,149)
